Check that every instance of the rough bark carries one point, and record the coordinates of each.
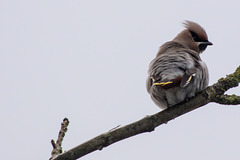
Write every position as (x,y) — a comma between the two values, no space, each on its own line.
(214,93)
(57,147)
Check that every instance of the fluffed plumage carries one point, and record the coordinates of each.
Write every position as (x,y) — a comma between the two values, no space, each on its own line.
(177,72)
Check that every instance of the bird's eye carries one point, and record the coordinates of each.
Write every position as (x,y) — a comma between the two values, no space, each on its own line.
(195,37)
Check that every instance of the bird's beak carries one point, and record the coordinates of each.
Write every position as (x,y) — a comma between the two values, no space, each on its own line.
(207,43)
(203,45)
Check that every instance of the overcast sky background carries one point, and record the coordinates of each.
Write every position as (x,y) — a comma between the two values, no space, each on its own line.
(88,61)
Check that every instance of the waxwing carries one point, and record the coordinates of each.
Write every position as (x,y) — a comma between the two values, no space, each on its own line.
(177,72)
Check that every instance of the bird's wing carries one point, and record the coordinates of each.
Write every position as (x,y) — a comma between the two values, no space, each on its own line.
(181,81)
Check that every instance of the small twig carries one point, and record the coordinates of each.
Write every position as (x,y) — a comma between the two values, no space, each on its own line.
(114,128)
(57,147)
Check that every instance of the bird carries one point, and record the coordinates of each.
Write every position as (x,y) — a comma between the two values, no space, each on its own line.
(177,72)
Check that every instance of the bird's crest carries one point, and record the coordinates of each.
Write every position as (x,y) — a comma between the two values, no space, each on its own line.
(196,30)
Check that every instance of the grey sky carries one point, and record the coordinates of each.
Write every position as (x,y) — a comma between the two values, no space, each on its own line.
(88,60)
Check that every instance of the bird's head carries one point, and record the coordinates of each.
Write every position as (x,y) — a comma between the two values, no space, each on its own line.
(193,37)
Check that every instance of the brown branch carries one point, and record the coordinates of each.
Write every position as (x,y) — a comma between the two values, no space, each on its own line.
(57,147)
(214,93)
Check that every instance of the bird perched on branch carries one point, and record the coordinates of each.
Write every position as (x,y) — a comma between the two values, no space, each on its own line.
(177,72)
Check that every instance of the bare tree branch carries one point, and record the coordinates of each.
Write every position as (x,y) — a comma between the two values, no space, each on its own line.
(57,147)
(214,93)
